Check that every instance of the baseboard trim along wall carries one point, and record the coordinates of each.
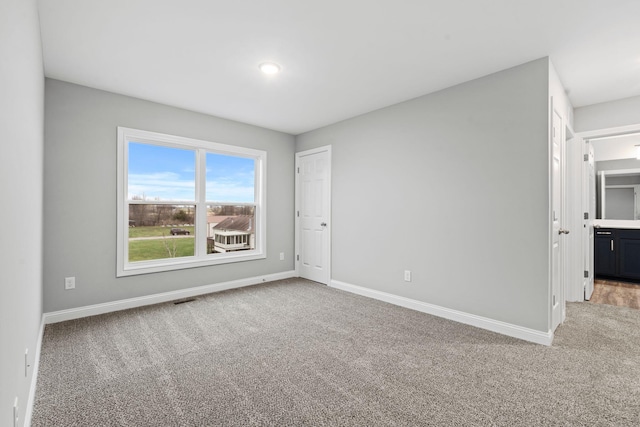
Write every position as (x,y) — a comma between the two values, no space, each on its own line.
(504,328)
(34,376)
(92,310)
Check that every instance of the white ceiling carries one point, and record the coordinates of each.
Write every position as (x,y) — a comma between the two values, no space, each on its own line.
(340,58)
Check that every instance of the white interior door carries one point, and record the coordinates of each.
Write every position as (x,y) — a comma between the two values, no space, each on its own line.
(557,255)
(574,214)
(313,212)
(590,210)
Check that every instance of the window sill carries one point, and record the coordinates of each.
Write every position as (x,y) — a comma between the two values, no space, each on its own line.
(147,267)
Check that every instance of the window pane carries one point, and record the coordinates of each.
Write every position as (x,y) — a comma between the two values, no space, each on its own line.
(230,228)
(230,179)
(161,173)
(161,231)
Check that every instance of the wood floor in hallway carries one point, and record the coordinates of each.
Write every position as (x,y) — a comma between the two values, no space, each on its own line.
(613,292)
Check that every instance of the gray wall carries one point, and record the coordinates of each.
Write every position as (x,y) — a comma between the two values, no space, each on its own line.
(80,194)
(622,112)
(453,186)
(21,147)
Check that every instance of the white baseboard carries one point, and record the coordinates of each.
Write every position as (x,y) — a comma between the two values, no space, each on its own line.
(92,310)
(34,377)
(504,328)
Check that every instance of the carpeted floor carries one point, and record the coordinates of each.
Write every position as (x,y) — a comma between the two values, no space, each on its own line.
(295,353)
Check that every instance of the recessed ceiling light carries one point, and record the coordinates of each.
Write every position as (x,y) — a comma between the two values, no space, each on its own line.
(269,68)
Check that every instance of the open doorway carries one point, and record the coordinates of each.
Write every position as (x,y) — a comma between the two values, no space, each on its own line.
(616,220)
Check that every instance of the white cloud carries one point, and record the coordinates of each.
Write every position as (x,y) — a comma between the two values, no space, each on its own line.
(168,186)
(161,186)
(229,191)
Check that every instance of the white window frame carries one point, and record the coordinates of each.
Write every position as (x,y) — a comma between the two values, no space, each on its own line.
(200,258)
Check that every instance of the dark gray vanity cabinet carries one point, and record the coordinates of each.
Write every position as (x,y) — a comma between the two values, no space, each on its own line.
(629,254)
(617,253)
(604,253)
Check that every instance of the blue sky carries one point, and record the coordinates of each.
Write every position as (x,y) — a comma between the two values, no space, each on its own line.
(167,173)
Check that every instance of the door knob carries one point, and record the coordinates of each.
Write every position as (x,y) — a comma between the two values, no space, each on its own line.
(563,231)
(323,224)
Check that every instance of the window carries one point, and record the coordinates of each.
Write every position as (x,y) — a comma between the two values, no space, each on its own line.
(187,203)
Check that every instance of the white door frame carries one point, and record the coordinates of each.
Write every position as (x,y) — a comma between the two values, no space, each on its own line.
(299,155)
(613,131)
(557,282)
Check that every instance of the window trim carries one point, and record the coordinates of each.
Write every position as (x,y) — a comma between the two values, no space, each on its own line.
(126,268)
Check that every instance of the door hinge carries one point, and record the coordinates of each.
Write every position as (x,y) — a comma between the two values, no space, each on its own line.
(297,257)
(298,170)
(586,215)
(586,157)
(298,213)
(586,274)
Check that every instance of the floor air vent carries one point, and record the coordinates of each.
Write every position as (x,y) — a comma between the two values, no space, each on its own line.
(184,300)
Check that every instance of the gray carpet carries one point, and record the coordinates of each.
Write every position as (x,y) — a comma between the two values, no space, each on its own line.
(295,353)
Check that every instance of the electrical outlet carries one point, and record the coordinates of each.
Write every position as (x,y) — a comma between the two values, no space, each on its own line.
(69,283)
(16,413)
(407,275)
(281,256)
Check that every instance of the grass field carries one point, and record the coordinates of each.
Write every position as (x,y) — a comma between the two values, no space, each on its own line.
(154,231)
(144,250)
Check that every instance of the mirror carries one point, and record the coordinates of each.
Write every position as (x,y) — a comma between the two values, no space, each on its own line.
(619,191)
(618,176)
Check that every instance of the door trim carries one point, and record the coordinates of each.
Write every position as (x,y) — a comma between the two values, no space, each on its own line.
(299,155)
(612,131)
(557,318)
